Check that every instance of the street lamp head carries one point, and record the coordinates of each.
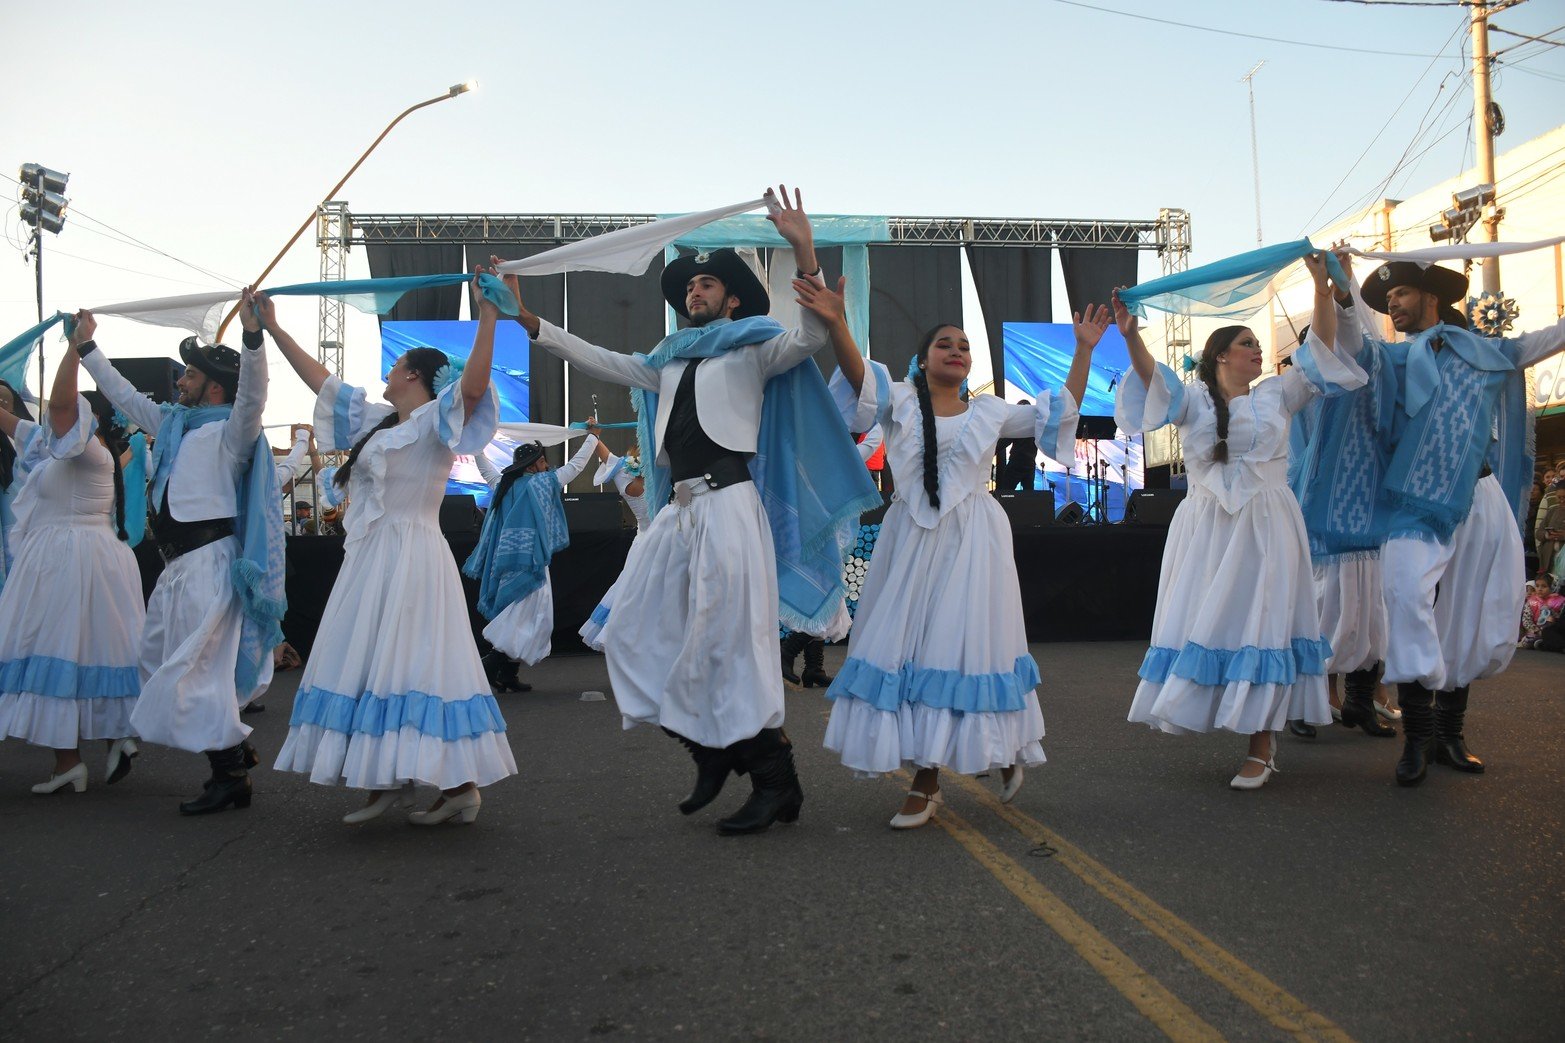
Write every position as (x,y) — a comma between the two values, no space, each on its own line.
(463,87)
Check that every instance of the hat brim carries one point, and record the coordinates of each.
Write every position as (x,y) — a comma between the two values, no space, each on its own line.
(1447,285)
(724,265)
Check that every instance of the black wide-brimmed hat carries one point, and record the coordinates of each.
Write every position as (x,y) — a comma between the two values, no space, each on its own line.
(727,267)
(526,454)
(1447,285)
(217,361)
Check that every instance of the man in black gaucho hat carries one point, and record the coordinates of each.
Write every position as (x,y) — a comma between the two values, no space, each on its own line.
(212,618)
(1458,474)
(691,639)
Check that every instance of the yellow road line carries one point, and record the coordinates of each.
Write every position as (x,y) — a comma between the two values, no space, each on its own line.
(1269,999)
(1165,1010)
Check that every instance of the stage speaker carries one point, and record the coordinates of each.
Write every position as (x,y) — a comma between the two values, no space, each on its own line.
(152,377)
(594,512)
(1071,514)
(1027,510)
(1098,428)
(460,516)
(1152,506)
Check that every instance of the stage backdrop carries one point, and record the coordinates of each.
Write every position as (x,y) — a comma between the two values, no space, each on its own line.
(1038,355)
(509,378)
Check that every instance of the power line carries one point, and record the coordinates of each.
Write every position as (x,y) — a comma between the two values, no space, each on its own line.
(1247,36)
(56,252)
(133,241)
(1403,3)
(1375,138)
(1529,39)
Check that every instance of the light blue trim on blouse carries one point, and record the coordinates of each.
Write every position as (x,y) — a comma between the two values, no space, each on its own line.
(377,715)
(600,615)
(1304,355)
(941,689)
(1220,666)
(64,679)
(342,417)
(1049,437)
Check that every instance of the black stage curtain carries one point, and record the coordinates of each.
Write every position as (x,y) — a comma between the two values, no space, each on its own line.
(1013,285)
(545,297)
(1095,583)
(911,289)
(623,313)
(580,574)
(390,260)
(1091,275)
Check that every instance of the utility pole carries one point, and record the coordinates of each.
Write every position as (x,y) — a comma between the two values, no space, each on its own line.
(1484,115)
(1248,79)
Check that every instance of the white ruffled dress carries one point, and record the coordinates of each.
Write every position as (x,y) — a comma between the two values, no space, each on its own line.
(71,613)
(394,690)
(938,673)
(1236,638)
(613,469)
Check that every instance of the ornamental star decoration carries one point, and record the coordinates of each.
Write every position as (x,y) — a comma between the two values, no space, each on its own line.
(1491,314)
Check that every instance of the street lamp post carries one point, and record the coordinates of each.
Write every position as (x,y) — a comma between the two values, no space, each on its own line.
(460,88)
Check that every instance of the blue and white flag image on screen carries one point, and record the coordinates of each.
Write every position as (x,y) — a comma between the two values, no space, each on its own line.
(1038,355)
(509,377)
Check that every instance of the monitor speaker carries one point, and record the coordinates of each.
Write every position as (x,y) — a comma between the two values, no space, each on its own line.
(1152,506)
(1101,428)
(459,515)
(1027,510)
(154,378)
(594,512)
(1071,514)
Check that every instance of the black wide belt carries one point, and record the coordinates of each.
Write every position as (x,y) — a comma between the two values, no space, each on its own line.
(720,473)
(182,538)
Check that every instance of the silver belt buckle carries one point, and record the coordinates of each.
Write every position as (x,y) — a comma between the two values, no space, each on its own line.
(683,495)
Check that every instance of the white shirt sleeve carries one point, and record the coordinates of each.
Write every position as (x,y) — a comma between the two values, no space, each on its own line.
(142,411)
(490,473)
(595,361)
(578,463)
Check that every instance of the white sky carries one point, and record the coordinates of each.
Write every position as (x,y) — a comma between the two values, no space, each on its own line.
(211,130)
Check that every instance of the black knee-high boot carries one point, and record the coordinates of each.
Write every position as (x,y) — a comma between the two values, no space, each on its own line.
(229,784)
(1450,746)
(712,768)
(815,675)
(1418,731)
(1358,703)
(775,794)
(792,645)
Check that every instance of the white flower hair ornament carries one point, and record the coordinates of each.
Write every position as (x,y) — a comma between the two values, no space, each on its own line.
(449,374)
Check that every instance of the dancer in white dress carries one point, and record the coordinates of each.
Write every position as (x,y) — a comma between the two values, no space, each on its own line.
(1236,638)
(17,453)
(625,473)
(394,693)
(523,629)
(71,614)
(938,673)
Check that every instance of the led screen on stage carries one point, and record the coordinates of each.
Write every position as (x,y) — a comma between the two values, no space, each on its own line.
(1038,354)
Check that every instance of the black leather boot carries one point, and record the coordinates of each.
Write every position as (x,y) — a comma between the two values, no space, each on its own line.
(1450,747)
(511,675)
(1303,729)
(815,675)
(229,784)
(1358,703)
(776,795)
(792,645)
(712,768)
(1418,731)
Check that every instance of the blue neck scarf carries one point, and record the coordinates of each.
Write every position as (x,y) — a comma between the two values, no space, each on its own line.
(258,570)
(806,469)
(521,533)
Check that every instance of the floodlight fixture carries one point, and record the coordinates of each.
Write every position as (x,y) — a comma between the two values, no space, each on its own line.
(463,87)
(1474,198)
(42,177)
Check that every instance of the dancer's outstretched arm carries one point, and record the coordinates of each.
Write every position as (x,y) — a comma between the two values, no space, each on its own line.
(309,368)
(1089,327)
(830,306)
(1130,328)
(475,375)
(63,406)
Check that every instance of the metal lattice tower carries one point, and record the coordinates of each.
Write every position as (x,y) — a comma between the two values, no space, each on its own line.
(333,229)
(1173,235)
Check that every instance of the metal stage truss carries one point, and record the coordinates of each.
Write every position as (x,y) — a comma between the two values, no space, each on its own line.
(1168,235)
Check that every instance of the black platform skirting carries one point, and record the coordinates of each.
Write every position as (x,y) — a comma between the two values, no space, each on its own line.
(1096,583)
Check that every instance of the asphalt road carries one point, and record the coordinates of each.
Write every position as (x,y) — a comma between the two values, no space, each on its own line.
(1130,895)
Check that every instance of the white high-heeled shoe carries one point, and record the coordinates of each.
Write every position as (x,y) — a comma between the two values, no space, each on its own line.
(384,801)
(1013,785)
(76,778)
(120,753)
(1389,712)
(1268,769)
(463,807)
(913,821)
